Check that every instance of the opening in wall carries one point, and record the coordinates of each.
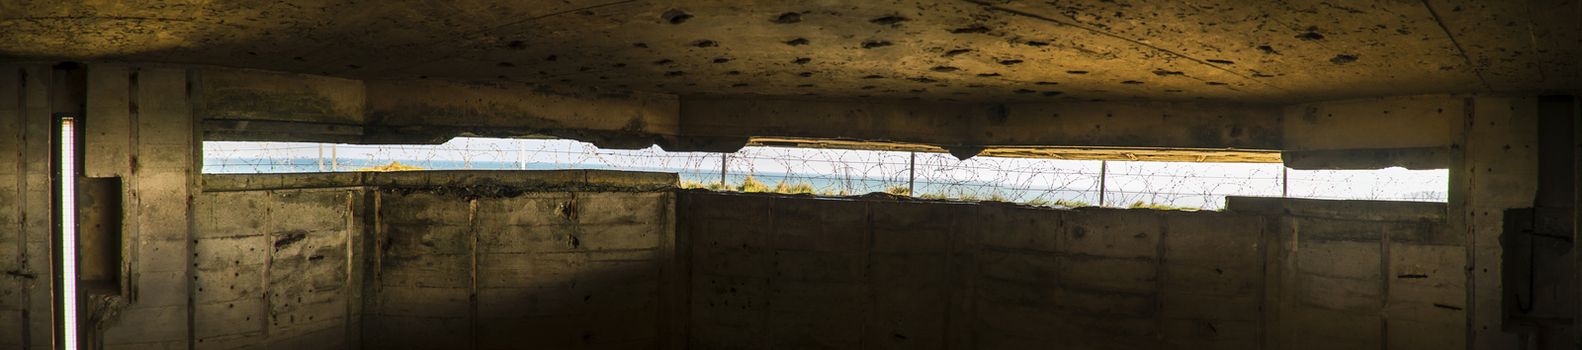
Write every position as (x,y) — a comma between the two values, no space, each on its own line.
(1038,179)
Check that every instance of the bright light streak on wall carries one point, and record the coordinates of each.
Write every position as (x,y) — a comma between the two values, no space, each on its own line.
(68,224)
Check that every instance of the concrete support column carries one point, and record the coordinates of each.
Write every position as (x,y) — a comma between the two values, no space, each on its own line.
(25,203)
(1497,171)
(139,127)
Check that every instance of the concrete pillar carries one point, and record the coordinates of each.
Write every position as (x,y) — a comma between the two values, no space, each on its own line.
(25,203)
(1497,171)
(139,127)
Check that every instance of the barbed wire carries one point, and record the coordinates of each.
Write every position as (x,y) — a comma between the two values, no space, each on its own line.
(1180,185)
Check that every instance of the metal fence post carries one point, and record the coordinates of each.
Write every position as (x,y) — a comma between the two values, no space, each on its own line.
(911,176)
(1104,170)
(723,167)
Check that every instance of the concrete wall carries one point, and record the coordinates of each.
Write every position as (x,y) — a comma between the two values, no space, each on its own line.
(278,268)
(1361,274)
(141,133)
(25,204)
(1488,142)
(800,272)
(141,130)
(288,241)
(1498,170)
(557,260)
(442,260)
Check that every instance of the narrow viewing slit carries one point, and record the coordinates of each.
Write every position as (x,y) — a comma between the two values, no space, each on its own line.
(1176,184)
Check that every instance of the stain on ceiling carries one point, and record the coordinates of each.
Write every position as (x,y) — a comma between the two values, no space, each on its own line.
(967,50)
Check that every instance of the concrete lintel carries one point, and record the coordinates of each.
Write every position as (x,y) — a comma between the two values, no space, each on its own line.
(1143,124)
(260,105)
(1360,133)
(876,120)
(1092,123)
(1416,158)
(1375,123)
(269,130)
(1044,152)
(440,105)
(237,94)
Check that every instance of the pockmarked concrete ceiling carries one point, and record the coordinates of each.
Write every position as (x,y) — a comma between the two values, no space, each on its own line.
(968,50)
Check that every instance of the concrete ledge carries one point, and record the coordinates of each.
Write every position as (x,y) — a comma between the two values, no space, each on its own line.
(253,182)
(1339,209)
(480,182)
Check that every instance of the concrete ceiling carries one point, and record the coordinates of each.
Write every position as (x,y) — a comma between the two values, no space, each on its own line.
(968,50)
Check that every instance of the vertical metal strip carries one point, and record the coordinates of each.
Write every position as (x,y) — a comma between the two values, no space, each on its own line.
(911,175)
(351,270)
(1159,273)
(1104,170)
(134,201)
(1467,183)
(951,237)
(1384,290)
(472,287)
(868,310)
(57,277)
(269,261)
(1576,207)
(1268,225)
(194,163)
(22,203)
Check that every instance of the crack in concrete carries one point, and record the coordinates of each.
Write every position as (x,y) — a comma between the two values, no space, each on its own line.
(476,33)
(992,7)
(1441,22)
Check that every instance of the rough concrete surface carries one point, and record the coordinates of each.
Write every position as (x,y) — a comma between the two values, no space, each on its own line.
(439,260)
(278,268)
(935,49)
(1361,274)
(589,259)
(555,269)
(790,272)
(25,201)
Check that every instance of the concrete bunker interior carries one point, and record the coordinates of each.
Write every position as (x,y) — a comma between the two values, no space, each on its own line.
(171,258)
